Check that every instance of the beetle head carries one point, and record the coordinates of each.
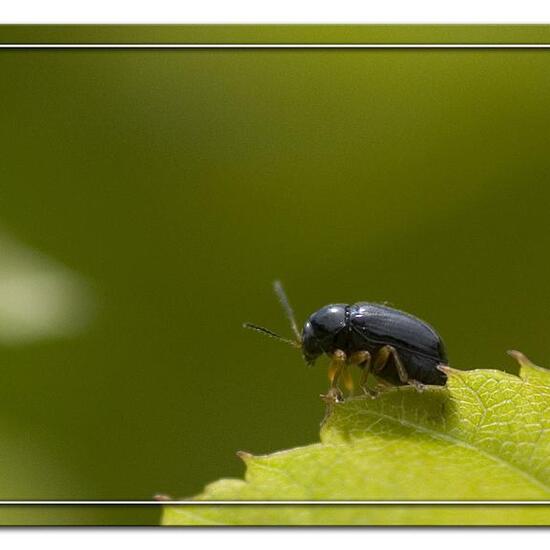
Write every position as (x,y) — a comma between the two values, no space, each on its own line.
(311,348)
(322,330)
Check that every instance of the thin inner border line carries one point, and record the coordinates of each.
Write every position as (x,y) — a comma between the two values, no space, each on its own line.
(289,46)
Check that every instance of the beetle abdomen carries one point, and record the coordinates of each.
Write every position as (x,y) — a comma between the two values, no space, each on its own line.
(419,367)
(380,325)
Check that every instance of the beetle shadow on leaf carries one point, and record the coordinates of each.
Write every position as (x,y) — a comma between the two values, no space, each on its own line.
(396,413)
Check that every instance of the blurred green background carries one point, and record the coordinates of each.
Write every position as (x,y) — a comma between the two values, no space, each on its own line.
(149,198)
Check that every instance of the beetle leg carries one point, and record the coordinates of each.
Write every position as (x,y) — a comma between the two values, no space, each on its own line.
(381,361)
(381,358)
(334,395)
(337,366)
(332,371)
(416,384)
(363,360)
(360,358)
(382,385)
(348,380)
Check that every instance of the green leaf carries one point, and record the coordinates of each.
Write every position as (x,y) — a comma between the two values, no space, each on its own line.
(485,436)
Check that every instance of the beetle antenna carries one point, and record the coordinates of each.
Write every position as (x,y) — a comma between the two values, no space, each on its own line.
(281,294)
(271,334)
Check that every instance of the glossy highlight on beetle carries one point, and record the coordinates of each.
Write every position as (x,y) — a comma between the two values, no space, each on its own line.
(397,347)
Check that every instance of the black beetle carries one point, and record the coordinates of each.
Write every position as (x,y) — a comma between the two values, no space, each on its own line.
(399,348)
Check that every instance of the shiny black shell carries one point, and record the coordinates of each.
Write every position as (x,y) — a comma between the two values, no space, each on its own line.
(367,327)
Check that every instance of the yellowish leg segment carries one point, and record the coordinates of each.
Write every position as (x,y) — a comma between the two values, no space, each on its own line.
(348,379)
(336,368)
(338,364)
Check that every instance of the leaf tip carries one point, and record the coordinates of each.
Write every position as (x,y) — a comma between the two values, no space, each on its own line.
(528,370)
(449,371)
(521,358)
(244,456)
